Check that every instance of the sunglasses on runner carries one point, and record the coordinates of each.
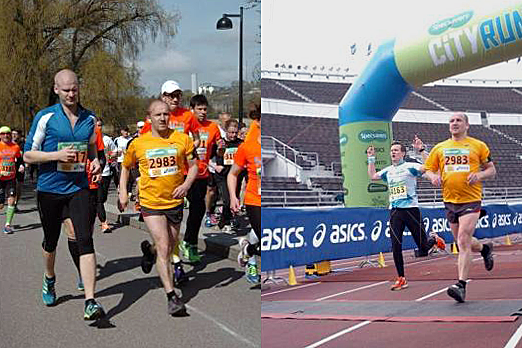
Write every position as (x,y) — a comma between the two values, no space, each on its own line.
(175,94)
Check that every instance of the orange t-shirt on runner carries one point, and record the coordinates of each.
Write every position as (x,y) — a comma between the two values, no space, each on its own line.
(99,147)
(9,152)
(209,134)
(456,160)
(249,155)
(181,120)
(254,132)
(162,162)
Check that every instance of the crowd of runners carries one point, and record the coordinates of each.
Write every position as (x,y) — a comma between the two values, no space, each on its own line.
(177,157)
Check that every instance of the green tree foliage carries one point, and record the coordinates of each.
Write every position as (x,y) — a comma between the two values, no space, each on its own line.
(112,91)
(98,39)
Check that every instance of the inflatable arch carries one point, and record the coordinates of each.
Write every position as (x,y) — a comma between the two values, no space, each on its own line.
(464,42)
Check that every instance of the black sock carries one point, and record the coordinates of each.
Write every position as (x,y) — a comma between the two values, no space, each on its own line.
(462,283)
(50,279)
(89,301)
(75,253)
(485,250)
(170,295)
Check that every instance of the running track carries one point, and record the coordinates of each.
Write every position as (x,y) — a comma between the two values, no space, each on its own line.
(343,311)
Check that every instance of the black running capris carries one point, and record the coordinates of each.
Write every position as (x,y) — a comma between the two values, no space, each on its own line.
(54,208)
(254,216)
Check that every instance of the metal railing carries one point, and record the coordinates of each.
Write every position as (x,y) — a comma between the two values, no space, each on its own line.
(300,198)
(310,159)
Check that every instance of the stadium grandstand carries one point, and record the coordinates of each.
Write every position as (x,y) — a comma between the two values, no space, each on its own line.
(300,133)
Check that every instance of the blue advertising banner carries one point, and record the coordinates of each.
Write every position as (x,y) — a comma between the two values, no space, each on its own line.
(296,237)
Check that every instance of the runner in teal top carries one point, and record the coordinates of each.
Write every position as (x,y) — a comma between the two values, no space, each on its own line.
(60,142)
(401,178)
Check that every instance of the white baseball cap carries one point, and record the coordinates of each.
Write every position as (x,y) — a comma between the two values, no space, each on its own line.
(170,86)
(140,124)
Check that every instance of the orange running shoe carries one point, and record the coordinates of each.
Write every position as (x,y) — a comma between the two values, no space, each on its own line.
(400,283)
(441,244)
(105,228)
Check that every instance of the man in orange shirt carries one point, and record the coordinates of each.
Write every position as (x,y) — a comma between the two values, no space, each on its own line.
(248,156)
(10,163)
(163,156)
(460,164)
(180,119)
(209,135)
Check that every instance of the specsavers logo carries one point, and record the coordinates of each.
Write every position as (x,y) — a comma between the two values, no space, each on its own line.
(448,23)
(373,135)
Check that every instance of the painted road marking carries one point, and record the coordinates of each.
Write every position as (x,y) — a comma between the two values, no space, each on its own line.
(513,341)
(292,288)
(338,334)
(352,290)
(434,293)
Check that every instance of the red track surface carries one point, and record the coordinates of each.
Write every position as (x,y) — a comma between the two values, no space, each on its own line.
(428,281)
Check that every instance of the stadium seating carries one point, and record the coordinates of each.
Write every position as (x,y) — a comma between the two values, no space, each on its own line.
(279,191)
(314,134)
(321,135)
(457,98)
(514,131)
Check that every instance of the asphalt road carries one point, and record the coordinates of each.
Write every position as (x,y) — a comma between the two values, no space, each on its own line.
(223,309)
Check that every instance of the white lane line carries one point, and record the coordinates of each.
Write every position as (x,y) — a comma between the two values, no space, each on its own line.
(435,293)
(432,294)
(192,308)
(352,290)
(289,289)
(338,334)
(222,326)
(513,341)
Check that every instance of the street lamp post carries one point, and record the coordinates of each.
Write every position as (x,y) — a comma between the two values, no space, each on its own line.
(225,23)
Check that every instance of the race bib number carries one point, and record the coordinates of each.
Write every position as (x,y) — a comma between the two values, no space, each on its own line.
(162,162)
(178,127)
(228,157)
(398,191)
(80,158)
(7,168)
(456,160)
(203,137)
(202,153)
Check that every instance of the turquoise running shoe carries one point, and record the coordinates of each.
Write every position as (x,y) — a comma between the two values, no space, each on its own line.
(48,291)
(93,311)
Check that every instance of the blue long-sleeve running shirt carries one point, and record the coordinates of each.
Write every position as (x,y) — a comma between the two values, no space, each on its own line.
(51,131)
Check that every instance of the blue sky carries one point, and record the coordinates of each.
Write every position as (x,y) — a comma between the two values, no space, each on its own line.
(200,48)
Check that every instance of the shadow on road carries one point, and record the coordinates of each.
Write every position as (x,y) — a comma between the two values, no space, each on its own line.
(132,291)
(206,280)
(116,266)
(21,228)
